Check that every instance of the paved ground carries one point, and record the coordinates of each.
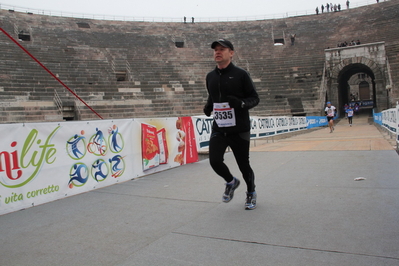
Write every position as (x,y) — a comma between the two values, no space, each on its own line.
(310,212)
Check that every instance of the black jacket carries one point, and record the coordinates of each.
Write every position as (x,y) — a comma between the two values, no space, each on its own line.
(231,81)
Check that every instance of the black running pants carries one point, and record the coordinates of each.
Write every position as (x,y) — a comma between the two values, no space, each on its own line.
(239,144)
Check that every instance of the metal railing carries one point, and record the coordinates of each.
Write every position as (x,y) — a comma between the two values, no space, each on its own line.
(77,108)
(172,19)
(323,88)
(58,101)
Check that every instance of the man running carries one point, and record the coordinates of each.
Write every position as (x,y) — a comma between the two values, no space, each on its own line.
(231,93)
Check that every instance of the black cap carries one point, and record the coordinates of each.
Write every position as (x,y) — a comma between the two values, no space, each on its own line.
(223,42)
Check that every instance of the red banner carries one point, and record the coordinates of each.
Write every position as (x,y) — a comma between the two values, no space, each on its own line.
(150,146)
(191,154)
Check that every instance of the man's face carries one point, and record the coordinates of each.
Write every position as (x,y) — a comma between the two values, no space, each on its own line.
(222,55)
(329,105)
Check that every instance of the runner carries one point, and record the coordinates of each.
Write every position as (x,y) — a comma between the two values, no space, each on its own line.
(231,94)
(330,113)
(349,113)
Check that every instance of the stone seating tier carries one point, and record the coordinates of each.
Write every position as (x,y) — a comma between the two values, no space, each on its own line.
(169,80)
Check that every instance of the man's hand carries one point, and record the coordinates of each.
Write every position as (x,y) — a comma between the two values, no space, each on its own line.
(207,112)
(234,102)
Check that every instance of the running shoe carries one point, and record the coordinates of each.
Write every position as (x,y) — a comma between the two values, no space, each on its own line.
(250,202)
(229,192)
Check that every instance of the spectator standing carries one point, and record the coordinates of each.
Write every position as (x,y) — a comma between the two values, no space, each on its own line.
(231,93)
(317,10)
(292,38)
(347,4)
(322,8)
(328,7)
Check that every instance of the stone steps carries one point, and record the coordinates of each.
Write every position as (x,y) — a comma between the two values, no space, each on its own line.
(88,60)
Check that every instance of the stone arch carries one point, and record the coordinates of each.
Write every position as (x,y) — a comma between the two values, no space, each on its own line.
(342,72)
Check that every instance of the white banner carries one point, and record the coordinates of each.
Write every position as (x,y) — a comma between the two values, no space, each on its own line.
(261,127)
(203,129)
(389,119)
(41,162)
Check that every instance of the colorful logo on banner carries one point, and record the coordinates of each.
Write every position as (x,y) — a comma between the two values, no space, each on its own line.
(98,146)
(187,142)
(150,146)
(155,148)
(34,154)
(203,127)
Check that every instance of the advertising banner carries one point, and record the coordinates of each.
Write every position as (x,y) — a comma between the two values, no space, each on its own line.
(190,145)
(316,121)
(42,162)
(388,119)
(377,118)
(174,143)
(282,124)
(163,146)
(149,146)
(297,123)
(202,129)
(397,126)
(261,127)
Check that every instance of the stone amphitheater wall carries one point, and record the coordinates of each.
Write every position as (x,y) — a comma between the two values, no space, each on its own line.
(145,69)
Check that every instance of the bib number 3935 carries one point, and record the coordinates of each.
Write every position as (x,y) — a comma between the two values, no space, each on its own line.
(224,115)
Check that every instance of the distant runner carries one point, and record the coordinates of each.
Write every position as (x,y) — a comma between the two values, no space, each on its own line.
(330,113)
(349,113)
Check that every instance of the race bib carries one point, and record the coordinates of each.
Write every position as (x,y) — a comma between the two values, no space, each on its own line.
(224,115)
(330,112)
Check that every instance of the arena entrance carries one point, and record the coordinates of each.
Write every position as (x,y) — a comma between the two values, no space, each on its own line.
(356,86)
(357,75)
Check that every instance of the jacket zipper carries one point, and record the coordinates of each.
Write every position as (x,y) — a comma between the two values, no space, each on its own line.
(220,92)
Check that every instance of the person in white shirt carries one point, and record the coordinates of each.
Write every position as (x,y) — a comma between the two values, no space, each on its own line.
(330,113)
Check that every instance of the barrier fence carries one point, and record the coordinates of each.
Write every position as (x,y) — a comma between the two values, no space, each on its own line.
(388,119)
(42,162)
(32,11)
